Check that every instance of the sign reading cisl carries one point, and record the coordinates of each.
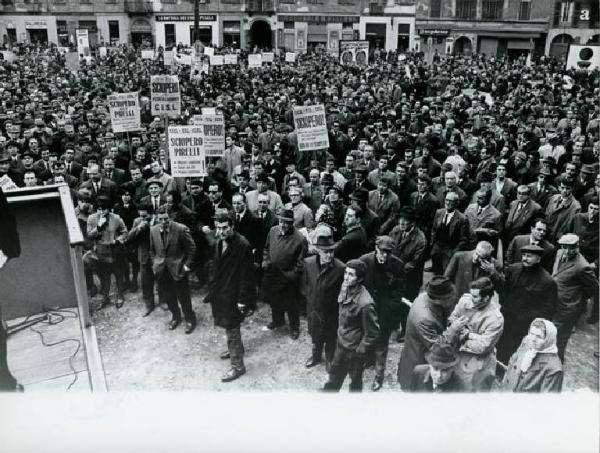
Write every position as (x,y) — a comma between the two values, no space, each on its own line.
(165,95)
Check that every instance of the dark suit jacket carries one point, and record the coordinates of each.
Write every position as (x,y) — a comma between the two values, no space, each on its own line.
(513,251)
(249,227)
(107,188)
(521,223)
(542,197)
(386,210)
(576,281)
(421,382)
(352,245)
(139,235)
(118,176)
(460,272)
(269,221)
(509,189)
(178,250)
(559,219)
(76,169)
(458,231)
(424,211)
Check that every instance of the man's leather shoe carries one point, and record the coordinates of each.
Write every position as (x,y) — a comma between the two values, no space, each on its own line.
(133,287)
(376,385)
(148,311)
(272,325)
(225,355)
(294,334)
(189,327)
(312,361)
(592,319)
(120,302)
(233,374)
(174,323)
(93,291)
(105,302)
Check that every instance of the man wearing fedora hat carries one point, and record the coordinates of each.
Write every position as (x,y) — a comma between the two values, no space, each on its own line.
(321,282)
(283,261)
(426,325)
(369,220)
(231,289)
(437,376)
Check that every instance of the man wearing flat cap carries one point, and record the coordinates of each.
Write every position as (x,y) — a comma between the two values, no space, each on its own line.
(426,325)
(231,289)
(528,292)
(155,197)
(321,282)
(108,232)
(437,375)
(385,280)
(283,262)
(357,332)
(576,282)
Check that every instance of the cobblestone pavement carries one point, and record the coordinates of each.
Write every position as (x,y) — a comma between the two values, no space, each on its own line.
(142,354)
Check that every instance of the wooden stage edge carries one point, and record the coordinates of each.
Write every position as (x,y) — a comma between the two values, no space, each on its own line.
(73,363)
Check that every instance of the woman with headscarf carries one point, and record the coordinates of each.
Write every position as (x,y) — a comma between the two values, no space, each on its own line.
(535,367)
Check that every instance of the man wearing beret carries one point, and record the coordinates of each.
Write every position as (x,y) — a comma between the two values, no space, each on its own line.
(426,325)
(576,282)
(385,280)
(358,329)
(528,292)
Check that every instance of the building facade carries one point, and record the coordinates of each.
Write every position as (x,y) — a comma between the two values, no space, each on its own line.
(291,25)
(493,27)
(573,22)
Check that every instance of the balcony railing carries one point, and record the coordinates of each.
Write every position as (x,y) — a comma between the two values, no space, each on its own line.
(138,6)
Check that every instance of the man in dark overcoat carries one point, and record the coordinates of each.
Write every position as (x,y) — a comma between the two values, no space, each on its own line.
(321,283)
(231,289)
(283,261)
(385,281)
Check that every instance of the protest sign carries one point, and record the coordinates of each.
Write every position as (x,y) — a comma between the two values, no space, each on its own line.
(311,127)
(124,112)
(268,57)
(167,58)
(489,100)
(216,60)
(213,129)
(354,52)
(83,44)
(290,57)
(210,51)
(186,151)
(7,184)
(8,55)
(72,61)
(230,58)
(102,52)
(147,54)
(583,57)
(254,60)
(165,95)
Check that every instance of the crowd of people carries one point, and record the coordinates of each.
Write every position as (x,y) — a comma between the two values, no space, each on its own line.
(456,206)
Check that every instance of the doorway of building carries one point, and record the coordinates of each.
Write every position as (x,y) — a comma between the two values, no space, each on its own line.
(261,34)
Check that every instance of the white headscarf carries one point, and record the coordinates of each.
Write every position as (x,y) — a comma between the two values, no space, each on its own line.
(548,347)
